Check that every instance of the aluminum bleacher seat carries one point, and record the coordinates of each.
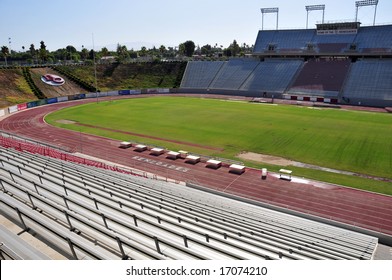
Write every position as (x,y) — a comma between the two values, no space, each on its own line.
(374,37)
(199,74)
(295,39)
(264,38)
(370,79)
(101,214)
(321,78)
(233,74)
(335,43)
(272,75)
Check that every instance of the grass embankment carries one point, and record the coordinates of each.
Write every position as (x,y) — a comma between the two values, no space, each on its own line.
(346,140)
(130,76)
(13,88)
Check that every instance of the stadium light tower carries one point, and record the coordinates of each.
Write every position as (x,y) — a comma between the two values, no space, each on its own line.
(366,3)
(314,8)
(269,11)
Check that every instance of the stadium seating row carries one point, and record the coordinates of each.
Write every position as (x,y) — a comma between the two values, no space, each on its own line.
(241,74)
(365,81)
(95,213)
(371,39)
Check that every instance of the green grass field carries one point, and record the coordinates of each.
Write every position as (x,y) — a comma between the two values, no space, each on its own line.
(346,140)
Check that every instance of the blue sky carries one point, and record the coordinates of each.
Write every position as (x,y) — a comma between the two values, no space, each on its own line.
(157,22)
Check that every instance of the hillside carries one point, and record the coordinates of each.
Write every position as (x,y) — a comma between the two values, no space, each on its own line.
(131,76)
(14,88)
(68,88)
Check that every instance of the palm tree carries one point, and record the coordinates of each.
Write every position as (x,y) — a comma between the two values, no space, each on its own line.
(104,51)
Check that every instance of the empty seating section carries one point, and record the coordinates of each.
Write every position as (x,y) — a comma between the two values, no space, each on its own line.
(370,79)
(233,74)
(334,38)
(264,38)
(100,214)
(371,39)
(292,39)
(272,75)
(199,74)
(374,38)
(336,43)
(283,40)
(321,77)
(332,47)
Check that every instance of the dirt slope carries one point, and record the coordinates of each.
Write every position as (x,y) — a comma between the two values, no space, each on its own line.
(68,88)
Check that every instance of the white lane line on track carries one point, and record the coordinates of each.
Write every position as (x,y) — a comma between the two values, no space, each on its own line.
(231,183)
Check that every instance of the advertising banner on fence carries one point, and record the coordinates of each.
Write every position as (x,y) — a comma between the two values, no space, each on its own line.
(102,94)
(62,98)
(2,112)
(22,106)
(91,95)
(124,92)
(135,91)
(41,102)
(32,104)
(112,93)
(77,96)
(13,109)
(152,90)
(51,100)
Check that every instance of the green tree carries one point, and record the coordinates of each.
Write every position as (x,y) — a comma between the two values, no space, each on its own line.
(122,53)
(71,51)
(143,51)
(235,48)
(104,52)
(181,49)
(43,53)
(189,48)
(162,50)
(227,52)
(206,50)
(84,54)
(132,54)
(91,54)
(33,52)
(5,51)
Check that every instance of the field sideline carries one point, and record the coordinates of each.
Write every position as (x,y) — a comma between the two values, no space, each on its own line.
(347,140)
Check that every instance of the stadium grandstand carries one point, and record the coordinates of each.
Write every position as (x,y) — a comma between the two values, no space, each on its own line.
(334,63)
(88,213)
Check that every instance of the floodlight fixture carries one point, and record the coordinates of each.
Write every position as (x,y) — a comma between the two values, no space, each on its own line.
(314,8)
(364,3)
(269,11)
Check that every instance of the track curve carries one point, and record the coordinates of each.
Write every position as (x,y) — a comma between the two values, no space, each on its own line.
(360,208)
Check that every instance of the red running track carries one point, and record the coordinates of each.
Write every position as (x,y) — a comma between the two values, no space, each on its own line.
(363,209)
